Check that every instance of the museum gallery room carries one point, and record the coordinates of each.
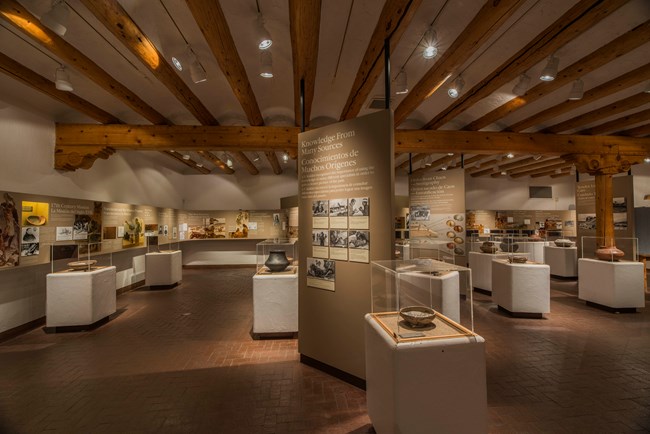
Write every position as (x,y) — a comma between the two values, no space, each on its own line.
(324,216)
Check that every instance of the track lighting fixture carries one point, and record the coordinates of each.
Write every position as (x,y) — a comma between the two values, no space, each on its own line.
(197,71)
(647,88)
(646,160)
(57,17)
(428,161)
(285,157)
(199,165)
(510,155)
(457,86)
(450,154)
(266,64)
(186,157)
(550,70)
(62,80)
(504,173)
(522,86)
(256,157)
(577,90)
(430,44)
(264,40)
(537,157)
(227,159)
(401,84)
(444,167)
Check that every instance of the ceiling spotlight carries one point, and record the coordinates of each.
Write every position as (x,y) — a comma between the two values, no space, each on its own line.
(264,40)
(646,160)
(537,157)
(186,157)
(450,154)
(504,173)
(550,70)
(199,165)
(256,157)
(197,71)
(401,84)
(62,80)
(57,17)
(228,161)
(522,86)
(577,90)
(429,42)
(455,89)
(444,167)
(510,155)
(266,64)
(647,88)
(285,157)
(428,161)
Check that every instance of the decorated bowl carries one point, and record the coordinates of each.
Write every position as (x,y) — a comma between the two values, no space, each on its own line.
(417,316)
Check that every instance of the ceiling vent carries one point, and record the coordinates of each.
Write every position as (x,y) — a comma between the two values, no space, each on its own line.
(379,103)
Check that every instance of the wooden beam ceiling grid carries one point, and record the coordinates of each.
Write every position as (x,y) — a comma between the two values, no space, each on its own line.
(617,124)
(640,131)
(437,164)
(542,163)
(611,87)
(605,54)
(545,170)
(557,171)
(218,162)
(189,162)
(576,21)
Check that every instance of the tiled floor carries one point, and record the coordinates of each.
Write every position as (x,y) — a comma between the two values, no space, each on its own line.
(182,360)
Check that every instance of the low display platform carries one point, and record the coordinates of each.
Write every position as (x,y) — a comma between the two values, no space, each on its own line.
(616,286)
(275,302)
(80,298)
(426,384)
(163,269)
(481,266)
(522,289)
(562,260)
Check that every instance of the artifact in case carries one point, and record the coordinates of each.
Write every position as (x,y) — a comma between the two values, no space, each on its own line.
(271,250)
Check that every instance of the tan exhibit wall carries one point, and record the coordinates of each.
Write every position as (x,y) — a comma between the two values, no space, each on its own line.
(554,222)
(346,182)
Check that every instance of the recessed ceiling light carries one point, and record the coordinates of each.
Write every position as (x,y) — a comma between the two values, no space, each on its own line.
(455,89)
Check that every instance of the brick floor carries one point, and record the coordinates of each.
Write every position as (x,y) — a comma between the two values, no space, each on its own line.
(182,360)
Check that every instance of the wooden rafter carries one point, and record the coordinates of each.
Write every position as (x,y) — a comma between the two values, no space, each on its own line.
(485,169)
(43,85)
(615,85)
(612,109)
(640,131)
(577,20)
(216,161)
(617,124)
(304,17)
(414,159)
(395,17)
(273,159)
(549,165)
(605,54)
(211,20)
(268,138)
(487,21)
(437,164)
(14,13)
(557,171)
(469,161)
(187,161)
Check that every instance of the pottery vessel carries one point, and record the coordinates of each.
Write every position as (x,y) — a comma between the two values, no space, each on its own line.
(417,316)
(610,253)
(277,261)
(563,242)
(488,247)
(517,259)
(82,265)
(509,245)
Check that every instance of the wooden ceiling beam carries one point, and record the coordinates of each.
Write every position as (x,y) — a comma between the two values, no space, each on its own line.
(269,138)
(243,160)
(557,171)
(188,162)
(273,159)
(14,13)
(550,166)
(517,163)
(43,85)
(605,54)
(640,131)
(576,21)
(537,165)
(617,124)
(611,87)
(113,16)
(564,172)
(484,24)
(437,164)
(469,161)
(304,26)
(414,159)
(395,18)
(612,109)
(216,161)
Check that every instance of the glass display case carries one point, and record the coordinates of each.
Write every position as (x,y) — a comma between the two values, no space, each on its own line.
(287,245)
(155,245)
(79,257)
(440,250)
(627,249)
(422,298)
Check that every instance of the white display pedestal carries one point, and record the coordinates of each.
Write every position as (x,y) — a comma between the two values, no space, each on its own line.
(439,292)
(425,385)
(614,285)
(522,289)
(275,302)
(163,268)
(80,298)
(481,265)
(562,260)
(535,250)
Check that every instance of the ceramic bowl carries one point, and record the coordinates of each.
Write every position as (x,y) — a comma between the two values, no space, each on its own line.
(417,316)
(36,220)
(82,265)
(562,242)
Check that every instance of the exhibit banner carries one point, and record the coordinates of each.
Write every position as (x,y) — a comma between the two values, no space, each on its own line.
(344,170)
(437,215)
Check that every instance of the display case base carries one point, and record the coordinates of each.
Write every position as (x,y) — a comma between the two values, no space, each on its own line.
(535,315)
(76,328)
(611,309)
(278,335)
(163,287)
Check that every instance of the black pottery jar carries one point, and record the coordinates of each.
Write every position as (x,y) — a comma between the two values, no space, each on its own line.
(277,261)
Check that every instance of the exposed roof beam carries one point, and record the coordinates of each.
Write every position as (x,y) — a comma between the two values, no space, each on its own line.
(617,124)
(487,21)
(435,165)
(468,161)
(243,160)
(216,161)
(557,171)
(612,109)
(613,86)
(550,164)
(188,162)
(304,17)
(42,84)
(414,159)
(484,170)
(393,21)
(577,20)
(268,138)
(273,159)
(640,131)
(14,13)
(113,16)
(605,54)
